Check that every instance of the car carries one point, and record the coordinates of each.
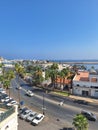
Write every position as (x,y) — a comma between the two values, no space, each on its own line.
(81,102)
(2,90)
(31,116)
(29,93)
(38,118)
(61,103)
(7,99)
(12,103)
(21,110)
(18,87)
(89,115)
(25,114)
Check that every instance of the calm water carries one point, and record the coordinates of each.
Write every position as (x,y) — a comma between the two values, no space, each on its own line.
(88,65)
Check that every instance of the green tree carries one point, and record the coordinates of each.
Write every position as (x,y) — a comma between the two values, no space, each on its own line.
(80,122)
(1,79)
(19,70)
(9,75)
(6,85)
(65,72)
(61,76)
(54,66)
(37,76)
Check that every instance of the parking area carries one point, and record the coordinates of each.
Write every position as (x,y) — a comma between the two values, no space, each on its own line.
(46,124)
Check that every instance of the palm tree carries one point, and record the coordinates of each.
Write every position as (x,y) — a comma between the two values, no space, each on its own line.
(9,76)
(53,73)
(61,76)
(3,69)
(19,70)
(65,72)
(37,76)
(54,66)
(80,122)
(6,85)
(1,79)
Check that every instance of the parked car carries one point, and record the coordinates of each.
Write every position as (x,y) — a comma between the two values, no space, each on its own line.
(12,103)
(25,114)
(89,115)
(7,99)
(6,102)
(38,118)
(31,116)
(2,90)
(29,93)
(81,102)
(21,110)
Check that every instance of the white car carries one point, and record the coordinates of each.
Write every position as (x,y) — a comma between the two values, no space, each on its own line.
(12,103)
(38,118)
(25,114)
(29,93)
(6,99)
(2,90)
(31,116)
(18,87)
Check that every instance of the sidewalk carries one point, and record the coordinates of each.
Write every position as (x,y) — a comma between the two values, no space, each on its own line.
(76,97)
(91,100)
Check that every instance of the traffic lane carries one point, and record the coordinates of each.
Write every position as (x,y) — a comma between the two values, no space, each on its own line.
(55,97)
(66,101)
(52,109)
(37,102)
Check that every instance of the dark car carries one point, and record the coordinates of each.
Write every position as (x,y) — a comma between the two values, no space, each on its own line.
(21,110)
(89,115)
(81,102)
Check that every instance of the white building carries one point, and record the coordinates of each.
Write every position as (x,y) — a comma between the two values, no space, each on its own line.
(85,84)
(8,118)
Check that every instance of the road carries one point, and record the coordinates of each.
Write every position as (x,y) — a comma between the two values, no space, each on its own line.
(64,113)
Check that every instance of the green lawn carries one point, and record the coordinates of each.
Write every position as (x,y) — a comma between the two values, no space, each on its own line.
(62,93)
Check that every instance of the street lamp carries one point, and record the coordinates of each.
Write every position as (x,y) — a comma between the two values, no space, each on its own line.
(43,108)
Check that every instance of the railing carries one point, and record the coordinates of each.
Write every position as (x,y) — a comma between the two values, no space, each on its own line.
(9,111)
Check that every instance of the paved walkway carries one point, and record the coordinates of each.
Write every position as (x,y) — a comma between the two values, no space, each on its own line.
(73,97)
(91,100)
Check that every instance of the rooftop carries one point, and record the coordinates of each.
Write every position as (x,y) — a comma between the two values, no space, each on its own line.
(85,76)
(5,111)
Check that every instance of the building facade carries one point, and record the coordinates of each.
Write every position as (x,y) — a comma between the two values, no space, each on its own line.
(8,118)
(85,84)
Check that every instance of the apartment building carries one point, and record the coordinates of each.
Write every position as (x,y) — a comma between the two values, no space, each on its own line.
(8,117)
(85,84)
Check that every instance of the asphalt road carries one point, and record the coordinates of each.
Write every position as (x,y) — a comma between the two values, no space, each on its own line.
(64,113)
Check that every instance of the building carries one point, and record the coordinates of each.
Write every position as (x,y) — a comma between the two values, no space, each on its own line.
(8,117)
(63,83)
(85,84)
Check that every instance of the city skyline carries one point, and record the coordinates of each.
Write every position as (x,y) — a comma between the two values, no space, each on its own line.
(51,29)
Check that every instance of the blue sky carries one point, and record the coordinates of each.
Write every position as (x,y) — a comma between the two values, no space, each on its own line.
(49,29)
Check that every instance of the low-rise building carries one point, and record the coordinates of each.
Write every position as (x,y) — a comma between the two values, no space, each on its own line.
(85,84)
(8,117)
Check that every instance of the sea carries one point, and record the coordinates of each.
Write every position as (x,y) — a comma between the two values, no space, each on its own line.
(87,63)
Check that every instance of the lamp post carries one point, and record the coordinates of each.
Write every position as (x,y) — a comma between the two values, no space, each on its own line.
(43,108)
